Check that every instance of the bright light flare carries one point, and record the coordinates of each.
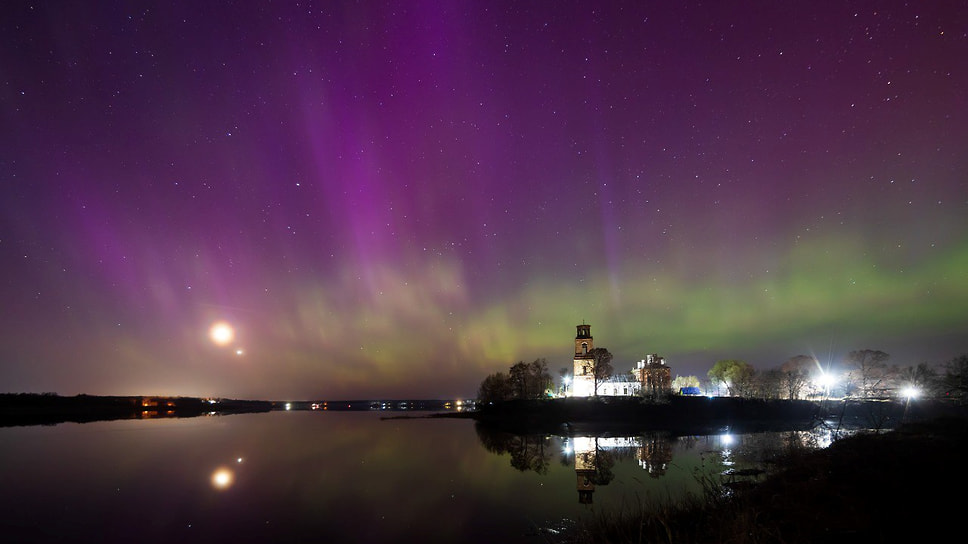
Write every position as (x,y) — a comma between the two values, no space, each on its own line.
(825,380)
(222,478)
(911,392)
(221,333)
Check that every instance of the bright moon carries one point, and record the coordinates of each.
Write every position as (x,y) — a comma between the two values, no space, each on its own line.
(221,333)
(222,478)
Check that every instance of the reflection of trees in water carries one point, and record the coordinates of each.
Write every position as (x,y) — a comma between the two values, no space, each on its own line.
(594,458)
(769,447)
(603,464)
(528,452)
(595,455)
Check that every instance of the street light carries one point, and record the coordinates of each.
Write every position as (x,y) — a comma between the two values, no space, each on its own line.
(825,381)
(911,392)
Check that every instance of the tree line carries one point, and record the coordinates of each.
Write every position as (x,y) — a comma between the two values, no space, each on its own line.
(865,374)
(521,381)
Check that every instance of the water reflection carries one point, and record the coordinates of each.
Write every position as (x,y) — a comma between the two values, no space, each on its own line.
(344,476)
(593,466)
(734,458)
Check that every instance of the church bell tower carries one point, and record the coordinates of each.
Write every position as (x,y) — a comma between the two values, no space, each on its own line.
(583,381)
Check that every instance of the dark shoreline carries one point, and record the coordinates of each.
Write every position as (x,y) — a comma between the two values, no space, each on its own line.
(699,415)
(24,409)
(571,416)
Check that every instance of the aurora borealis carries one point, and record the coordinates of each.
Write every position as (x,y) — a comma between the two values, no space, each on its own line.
(394,199)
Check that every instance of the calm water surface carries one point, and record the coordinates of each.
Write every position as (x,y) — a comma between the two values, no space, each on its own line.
(337,477)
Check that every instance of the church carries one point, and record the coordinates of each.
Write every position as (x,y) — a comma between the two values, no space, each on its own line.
(649,377)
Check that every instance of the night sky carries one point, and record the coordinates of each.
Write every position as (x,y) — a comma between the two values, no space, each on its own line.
(397,199)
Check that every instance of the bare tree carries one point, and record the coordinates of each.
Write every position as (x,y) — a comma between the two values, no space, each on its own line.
(771,384)
(603,366)
(955,380)
(922,377)
(869,371)
(796,372)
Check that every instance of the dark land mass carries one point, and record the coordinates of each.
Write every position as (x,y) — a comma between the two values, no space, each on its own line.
(369,405)
(19,409)
(49,409)
(696,415)
(898,486)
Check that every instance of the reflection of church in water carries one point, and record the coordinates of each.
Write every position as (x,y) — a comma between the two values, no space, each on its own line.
(594,458)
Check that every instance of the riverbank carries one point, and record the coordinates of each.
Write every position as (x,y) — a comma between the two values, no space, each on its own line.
(695,415)
(885,487)
(699,415)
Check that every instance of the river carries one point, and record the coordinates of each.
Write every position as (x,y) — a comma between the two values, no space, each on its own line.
(310,476)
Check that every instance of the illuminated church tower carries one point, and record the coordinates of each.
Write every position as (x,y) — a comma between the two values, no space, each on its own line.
(583,382)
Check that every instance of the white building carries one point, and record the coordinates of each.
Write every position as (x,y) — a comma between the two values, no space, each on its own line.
(651,372)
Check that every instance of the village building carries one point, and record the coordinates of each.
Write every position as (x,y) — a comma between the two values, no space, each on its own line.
(650,376)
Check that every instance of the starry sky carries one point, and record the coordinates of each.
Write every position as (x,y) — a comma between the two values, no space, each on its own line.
(395,199)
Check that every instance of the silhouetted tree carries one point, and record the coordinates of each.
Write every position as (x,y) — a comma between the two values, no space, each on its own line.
(541,378)
(796,373)
(955,379)
(529,380)
(770,384)
(495,388)
(868,371)
(603,366)
(922,377)
(518,380)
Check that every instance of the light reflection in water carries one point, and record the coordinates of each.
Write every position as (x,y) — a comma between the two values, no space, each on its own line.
(284,476)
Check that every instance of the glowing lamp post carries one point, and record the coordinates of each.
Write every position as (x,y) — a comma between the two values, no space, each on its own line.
(825,382)
(910,392)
